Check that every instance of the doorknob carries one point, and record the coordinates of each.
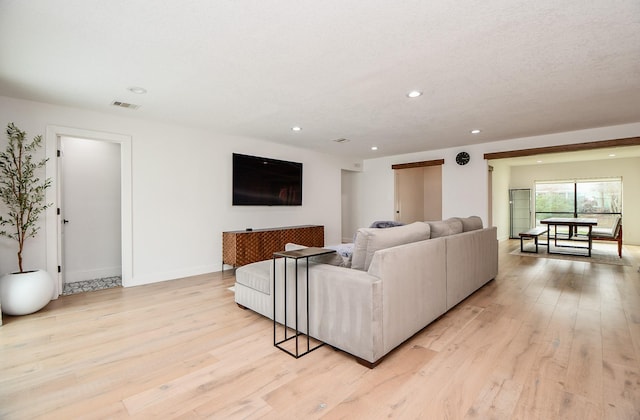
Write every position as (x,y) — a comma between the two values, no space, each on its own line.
(65,221)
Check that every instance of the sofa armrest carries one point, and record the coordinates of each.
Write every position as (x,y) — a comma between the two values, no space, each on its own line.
(413,288)
(345,309)
(472,261)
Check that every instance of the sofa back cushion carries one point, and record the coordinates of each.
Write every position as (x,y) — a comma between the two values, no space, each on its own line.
(471,223)
(369,240)
(447,227)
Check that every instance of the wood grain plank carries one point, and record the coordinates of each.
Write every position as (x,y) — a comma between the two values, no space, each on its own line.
(584,372)
(621,386)
(546,339)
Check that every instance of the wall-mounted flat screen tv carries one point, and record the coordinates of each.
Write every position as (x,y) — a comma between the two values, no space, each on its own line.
(259,181)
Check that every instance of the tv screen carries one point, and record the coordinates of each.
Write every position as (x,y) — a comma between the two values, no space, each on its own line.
(259,181)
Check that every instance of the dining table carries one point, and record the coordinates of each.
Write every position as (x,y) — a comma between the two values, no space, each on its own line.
(572,234)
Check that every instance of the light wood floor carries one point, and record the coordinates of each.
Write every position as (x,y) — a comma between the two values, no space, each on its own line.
(547,339)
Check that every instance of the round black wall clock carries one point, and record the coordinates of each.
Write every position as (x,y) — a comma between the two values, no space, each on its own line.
(462,158)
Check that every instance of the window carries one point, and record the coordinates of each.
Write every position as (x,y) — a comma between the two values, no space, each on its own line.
(599,199)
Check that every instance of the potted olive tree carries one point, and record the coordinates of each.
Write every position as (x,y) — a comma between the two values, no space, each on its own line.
(23,194)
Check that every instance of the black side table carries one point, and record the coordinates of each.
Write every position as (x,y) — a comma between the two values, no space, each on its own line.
(294,255)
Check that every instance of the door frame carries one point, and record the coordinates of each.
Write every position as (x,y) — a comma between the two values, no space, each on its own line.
(52,218)
(397,205)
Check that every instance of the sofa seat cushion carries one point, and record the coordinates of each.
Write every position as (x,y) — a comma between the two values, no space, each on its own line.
(370,240)
(255,276)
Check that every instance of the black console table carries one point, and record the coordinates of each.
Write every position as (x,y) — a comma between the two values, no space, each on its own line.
(295,255)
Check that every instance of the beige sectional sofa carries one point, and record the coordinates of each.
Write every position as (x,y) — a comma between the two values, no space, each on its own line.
(400,279)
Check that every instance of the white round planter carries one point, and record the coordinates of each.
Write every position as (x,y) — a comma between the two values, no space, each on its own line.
(25,293)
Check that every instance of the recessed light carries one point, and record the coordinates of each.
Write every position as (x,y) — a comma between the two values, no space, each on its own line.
(374,147)
(612,155)
(137,90)
(538,161)
(296,128)
(476,131)
(414,94)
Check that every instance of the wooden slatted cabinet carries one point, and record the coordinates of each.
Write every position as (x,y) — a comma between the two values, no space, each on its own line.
(241,247)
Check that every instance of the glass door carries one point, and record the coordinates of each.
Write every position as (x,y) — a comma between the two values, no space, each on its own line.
(520,211)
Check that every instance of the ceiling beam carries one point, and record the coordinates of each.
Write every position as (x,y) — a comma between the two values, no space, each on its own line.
(422,164)
(576,147)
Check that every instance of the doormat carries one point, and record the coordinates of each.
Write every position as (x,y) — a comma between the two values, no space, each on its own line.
(91,285)
(601,253)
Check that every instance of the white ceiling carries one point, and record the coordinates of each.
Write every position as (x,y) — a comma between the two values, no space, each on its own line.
(337,68)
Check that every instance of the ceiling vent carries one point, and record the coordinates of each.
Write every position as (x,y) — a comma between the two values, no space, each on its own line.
(341,140)
(125,105)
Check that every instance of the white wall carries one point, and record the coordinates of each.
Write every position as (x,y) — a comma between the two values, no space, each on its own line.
(349,205)
(628,169)
(500,200)
(181,186)
(91,203)
(465,188)
(181,189)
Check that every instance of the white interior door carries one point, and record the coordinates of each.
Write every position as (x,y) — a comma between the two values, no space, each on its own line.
(90,197)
